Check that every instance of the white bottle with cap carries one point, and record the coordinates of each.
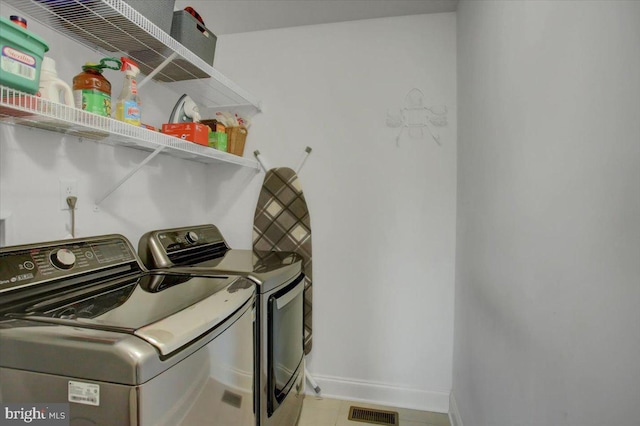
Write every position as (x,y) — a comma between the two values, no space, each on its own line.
(51,87)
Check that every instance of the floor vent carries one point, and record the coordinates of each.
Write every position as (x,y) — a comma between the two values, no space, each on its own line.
(369,415)
(232,399)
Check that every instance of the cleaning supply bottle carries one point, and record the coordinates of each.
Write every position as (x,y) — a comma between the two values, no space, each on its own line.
(51,87)
(128,104)
(91,91)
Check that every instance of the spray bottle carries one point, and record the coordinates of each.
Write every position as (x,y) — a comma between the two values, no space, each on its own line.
(128,104)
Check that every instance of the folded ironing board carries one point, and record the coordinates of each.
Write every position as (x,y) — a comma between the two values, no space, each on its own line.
(282,223)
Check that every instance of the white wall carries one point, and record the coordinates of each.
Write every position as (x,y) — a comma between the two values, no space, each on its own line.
(548,247)
(383,216)
(167,192)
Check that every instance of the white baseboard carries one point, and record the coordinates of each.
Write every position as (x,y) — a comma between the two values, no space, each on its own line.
(381,394)
(454,415)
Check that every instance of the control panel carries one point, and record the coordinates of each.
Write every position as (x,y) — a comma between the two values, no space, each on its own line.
(187,238)
(29,265)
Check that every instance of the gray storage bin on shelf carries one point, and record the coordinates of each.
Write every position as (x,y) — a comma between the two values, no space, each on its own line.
(189,32)
(157,11)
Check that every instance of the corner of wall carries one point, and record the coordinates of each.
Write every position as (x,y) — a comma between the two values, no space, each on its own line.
(454,415)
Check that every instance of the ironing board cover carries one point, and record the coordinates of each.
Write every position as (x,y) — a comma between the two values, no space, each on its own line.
(282,223)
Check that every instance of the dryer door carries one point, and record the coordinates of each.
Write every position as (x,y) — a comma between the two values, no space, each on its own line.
(286,349)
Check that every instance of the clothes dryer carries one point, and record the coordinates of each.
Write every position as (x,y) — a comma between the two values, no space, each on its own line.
(279,282)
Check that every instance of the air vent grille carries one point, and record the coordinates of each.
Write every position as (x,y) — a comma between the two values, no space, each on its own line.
(231,398)
(369,415)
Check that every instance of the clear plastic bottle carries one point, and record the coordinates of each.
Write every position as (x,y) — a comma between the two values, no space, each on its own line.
(128,104)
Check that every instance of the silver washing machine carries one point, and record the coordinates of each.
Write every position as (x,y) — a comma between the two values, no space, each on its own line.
(279,284)
(83,322)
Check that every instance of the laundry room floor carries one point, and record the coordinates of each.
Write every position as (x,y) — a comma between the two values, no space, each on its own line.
(335,412)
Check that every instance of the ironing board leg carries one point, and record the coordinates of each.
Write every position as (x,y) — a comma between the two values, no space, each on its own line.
(311,381)
(307,151)
(260,160)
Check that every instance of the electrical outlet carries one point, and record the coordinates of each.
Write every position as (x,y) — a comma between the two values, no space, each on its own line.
(68,187)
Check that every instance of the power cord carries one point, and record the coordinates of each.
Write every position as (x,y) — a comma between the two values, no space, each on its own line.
(71,202)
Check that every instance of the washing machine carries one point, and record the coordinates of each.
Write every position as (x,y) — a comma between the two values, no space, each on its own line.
(83,323)
(279,283)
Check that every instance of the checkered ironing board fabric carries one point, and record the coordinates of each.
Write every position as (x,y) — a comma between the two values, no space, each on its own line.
(282,223)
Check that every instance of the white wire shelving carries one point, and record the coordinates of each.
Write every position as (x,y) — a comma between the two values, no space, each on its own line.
(114,26)
(20,108)
(27,110)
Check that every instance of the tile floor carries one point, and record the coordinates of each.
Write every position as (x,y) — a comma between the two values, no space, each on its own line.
(334,412)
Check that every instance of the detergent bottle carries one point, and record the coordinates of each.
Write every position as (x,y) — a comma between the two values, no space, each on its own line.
(128,104)
(51,87)
(91,91)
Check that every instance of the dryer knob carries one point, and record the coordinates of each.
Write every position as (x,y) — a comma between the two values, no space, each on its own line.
(191,237)
(63,258)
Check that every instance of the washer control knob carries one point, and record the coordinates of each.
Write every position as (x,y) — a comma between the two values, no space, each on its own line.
(63,258)
(191,237)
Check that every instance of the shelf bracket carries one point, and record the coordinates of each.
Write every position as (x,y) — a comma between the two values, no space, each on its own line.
(159,68)
(157,151)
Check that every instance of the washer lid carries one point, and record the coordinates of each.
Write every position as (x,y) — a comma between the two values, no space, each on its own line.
(166,310)
(171,333)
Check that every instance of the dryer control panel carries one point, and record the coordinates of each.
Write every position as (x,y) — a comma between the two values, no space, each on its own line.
(185,238)
(24,266)
(181,246)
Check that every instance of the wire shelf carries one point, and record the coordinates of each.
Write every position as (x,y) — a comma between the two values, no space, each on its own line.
(23,109)
(114,26)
